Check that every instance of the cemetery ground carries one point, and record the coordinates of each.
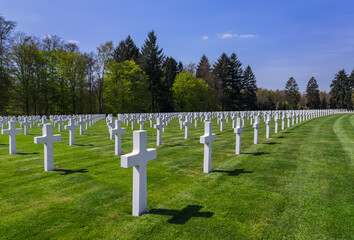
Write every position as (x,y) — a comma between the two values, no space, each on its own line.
(298,184)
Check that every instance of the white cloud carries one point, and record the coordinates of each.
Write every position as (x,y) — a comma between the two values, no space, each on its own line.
(74,41)
(247,36)
(234,35)
(227,35)
(205,37)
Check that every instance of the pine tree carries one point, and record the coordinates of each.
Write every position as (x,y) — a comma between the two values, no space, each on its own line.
(203,68)
(249,89)
(126,50)
(341,91)
(292,94)
(235,83)
(151,62)
(313,94)
(205,71)
(170,69)
(222,75)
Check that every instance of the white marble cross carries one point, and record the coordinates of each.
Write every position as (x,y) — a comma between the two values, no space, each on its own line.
(238,130)
(116,132)
(276,119)
(159,126)
(221,120)
(48,138)
(81,122)
(283,121)
(44,121)
(186,123)
(138,160)
(25,123)
(12,131)
(196,120)
(207,140)
(71,126)
(268,125)
(141,121)
(256,126)
(60,122)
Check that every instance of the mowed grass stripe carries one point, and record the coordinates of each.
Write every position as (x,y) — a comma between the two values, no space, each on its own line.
(272,191)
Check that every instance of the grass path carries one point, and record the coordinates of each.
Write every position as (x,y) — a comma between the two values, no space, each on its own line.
(296,185)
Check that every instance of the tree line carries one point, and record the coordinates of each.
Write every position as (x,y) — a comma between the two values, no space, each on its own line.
(49,76)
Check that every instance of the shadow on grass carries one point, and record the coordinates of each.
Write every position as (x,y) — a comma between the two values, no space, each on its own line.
(182,216)
(172,145)
(271,143)
(280,137)
(67,171)
(257,153)
(235,172)
(84,145)
(4,144)
(22,153)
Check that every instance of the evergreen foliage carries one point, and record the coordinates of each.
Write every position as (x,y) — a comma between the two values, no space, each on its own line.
(126,50)
(313,94)
(151,63)
(341,91)
(292,94)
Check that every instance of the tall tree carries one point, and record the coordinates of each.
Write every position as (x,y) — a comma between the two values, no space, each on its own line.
(125,88)
(6,30)
(170,70)
(341,91)
(126,50)
(151,62)
(235,83)
(5,84)
(205,71)
(104,53)
(189,93)
(222,75)
(249,89)
(313,94)
(292,94)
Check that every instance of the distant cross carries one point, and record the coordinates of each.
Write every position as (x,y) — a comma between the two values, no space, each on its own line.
(256,126)
(133,122)
(196,120)
(138,160)
(25,124)
(186,123)
(116,132)
(141,122)
(233,117)
(151,120)
(180,117)
(60,122)
(71,126)
(238,130)
(44,121)
(3,122)
(207,139)
(282,121)
(268,125)
(81,122)
(48,138)
(276,119)
(288,117)
(12,131)
(159,126)
(221,120)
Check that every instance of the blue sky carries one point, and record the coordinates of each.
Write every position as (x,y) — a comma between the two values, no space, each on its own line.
(277,38)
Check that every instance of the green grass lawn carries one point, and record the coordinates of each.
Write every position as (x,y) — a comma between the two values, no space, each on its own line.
(296,185)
